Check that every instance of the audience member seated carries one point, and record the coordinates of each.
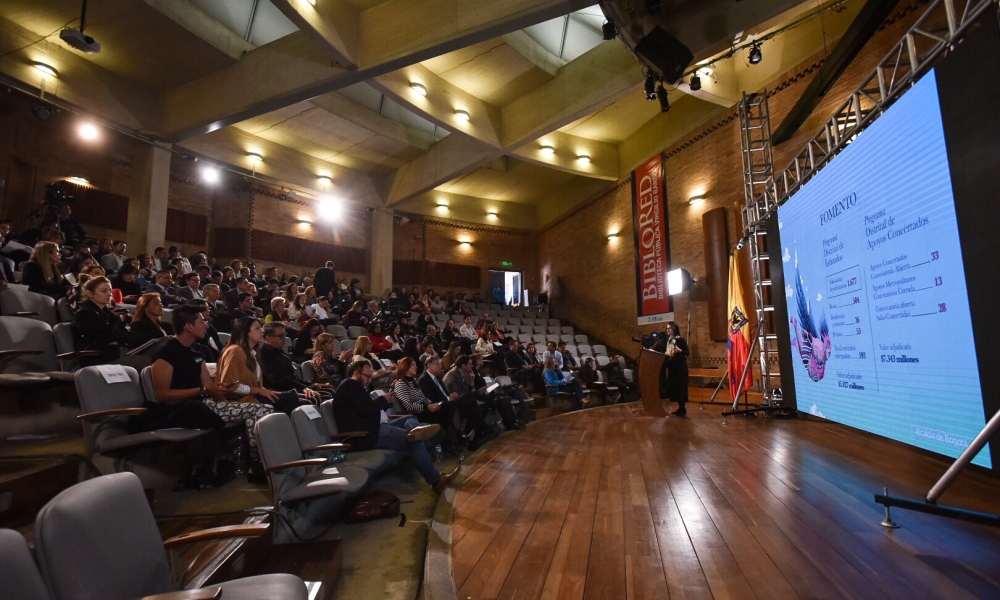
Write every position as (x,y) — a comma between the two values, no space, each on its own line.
(329,367)
(449,334)
(125,282)
(533,357)
(494,400)
(96,326)
(449,358)
(460,381)
(556,380)
(279,371)
(11,247)
(42,273)
(587,374)
(484,347)
(428,348)
(162,286)
(555,355)
(371,313)
(468,331)
(356,410)
(363,351)
(396,338)
(305,341)
(434,338)
(277,314)
(218,311)
(147,269)
(175,253)
(241,373)
(424,320)
(497,334)
(232,297)
(78,265)
(569,361)
(321,311)
(356,316)
(412,398)
(381,344)
(147,321)
(413,349)
(433,390)
(521,369)
(211,345)
(244,307)
(614,375)
(113,261)
(69,226)
(191,290)
(297,307)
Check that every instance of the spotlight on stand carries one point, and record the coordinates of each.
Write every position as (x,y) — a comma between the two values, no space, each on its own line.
(695,84)
(678,282)
(650,87)
(609,29)
(661,95)
(755,54)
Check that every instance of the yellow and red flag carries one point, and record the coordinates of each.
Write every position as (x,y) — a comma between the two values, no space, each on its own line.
(738,345)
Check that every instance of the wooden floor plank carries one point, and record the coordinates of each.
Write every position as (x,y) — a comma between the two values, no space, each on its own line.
(604,504)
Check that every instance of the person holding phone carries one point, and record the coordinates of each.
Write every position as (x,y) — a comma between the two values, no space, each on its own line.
(240,371)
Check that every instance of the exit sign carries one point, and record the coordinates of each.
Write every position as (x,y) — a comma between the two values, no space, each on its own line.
(506,263)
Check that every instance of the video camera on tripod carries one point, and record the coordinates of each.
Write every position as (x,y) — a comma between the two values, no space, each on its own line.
(55,197)
(648,341)
(390,313)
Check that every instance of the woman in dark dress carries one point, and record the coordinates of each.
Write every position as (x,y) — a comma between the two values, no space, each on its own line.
(677,380)
(96,326)
(42,274)
(125,281)
(147,321)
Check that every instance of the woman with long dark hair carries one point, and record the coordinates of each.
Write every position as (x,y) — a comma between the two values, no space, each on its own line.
(305,340)
(381,344)
(239,369)
(677,367)
(147,323)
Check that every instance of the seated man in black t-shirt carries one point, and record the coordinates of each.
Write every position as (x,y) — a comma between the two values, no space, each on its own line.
(180,374)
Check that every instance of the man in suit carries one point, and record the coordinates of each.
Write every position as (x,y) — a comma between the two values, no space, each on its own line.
(459,381)
(521,369)
(113,261)
(232,297)
(161,286)
(191,289)
(355,410)
(372,311)
(219,311)
(277,367)
(325,279)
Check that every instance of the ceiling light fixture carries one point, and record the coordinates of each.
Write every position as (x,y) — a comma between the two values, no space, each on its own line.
(45,68)
(609,29)
(463,115)
(755,54)
(583,157)
(547,148)
(255,156)
(695,84)
(418,88)
(650,87)
(661,95)
(88,131)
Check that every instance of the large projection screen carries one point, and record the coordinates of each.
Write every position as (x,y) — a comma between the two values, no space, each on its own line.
(887,302)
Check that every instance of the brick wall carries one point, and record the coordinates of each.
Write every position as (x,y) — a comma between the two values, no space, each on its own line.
(593,286)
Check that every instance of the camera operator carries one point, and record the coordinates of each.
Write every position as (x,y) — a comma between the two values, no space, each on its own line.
(70,227)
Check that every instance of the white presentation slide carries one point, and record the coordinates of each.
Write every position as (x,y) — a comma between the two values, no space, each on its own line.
(875,286)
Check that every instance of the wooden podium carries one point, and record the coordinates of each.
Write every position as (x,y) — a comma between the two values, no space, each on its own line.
(650,363)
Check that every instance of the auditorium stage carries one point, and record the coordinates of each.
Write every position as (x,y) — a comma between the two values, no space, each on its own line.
(604,504)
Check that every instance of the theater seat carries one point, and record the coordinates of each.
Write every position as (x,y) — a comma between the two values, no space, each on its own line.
(18,302)
(313,431)
(27,346)
(19,576)
(98,540)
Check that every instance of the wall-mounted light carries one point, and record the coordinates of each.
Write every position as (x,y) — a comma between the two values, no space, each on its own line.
(45,68)
(418,88)
(78,180)
(325,178)
(547,149)
(255,156)
(613,236)
(465,243)
(583,157)
(303,221)
(696,200)
(311,2)
(492,214)
(462,115)
(88,131)
(210,174)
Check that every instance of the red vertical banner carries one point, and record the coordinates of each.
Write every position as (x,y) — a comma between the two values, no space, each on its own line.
(651,232)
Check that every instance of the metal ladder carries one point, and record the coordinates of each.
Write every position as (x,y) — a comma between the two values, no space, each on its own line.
(758,187)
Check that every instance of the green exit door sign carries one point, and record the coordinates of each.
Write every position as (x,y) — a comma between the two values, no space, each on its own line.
(506,263)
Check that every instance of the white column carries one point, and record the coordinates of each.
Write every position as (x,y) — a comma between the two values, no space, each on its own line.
(147,205)
(380,253)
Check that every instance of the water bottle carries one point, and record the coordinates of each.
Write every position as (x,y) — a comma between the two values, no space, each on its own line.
(238,458)
(461,459)
(438,451)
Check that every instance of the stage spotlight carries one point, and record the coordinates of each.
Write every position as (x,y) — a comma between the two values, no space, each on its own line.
(661,95)
(695,83)
(88,131)
(328,209)
(210,175)
(755,54)
(650,87)
(609,29)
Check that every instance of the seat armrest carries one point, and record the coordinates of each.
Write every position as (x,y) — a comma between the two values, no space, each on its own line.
(307,462)
(77,354)
(26,313)
(346,435)
(110,413)
(12,353)
(210,593)
(218,533)
(324,447)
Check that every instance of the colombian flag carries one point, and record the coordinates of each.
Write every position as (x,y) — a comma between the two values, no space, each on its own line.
(738,346)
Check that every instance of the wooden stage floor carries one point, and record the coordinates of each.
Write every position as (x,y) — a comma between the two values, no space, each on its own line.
(603,504)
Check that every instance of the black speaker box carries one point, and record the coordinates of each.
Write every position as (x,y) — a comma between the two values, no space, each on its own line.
(665,52)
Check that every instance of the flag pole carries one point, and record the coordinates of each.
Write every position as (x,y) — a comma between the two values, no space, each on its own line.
(746,367)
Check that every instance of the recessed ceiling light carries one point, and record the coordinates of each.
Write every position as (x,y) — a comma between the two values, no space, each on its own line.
(210,174)
(547,148)
(255,156)
(88,131)
(463,115)
(583,157)
(418,88)
(45,68)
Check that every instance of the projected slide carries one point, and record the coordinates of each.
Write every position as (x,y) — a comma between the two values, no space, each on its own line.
(876,293)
